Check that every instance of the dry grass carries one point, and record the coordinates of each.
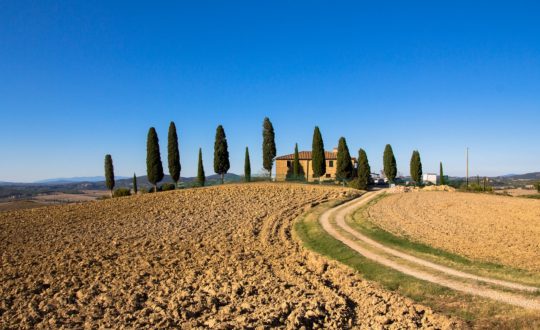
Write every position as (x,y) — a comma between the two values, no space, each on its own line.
(483,227)
(519,192)
(19,205)
(211,257)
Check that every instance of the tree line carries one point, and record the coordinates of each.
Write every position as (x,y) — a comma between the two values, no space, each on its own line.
(154,166)
(345,172)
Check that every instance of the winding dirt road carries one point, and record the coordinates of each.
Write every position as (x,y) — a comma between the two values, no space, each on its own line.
(333,221)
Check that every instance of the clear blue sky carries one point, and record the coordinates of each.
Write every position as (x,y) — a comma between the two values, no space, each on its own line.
(80,79)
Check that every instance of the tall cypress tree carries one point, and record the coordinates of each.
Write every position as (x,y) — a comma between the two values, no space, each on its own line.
(247,167)
(344,167)
(201,178)
(269,145)
(154,167)
(221,154)
(317,154)
(389,162)
(416,167)
(441,181)
(296,164)
(135,188)
(109,173)
(174,154)
(364,170)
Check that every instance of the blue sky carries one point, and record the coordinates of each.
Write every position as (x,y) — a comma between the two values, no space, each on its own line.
(80,79)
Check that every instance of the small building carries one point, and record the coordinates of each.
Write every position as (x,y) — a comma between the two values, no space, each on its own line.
(429,178)
(284,165)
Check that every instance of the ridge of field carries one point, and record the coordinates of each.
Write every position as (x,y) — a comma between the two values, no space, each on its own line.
(488,228)
(197,258)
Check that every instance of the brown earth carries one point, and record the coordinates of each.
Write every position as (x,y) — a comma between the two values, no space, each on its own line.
(19,205)
(84,196)
(485,227)
(213,257)
(519,192)
(51,199)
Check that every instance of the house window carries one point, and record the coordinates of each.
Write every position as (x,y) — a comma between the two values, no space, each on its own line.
(331,163)
(289,164)
(328,176)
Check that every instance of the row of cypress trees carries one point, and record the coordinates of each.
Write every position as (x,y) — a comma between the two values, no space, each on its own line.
(222,165)
(344,167)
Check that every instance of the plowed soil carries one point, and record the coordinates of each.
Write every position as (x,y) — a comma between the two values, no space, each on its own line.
(490,228)
(214,257)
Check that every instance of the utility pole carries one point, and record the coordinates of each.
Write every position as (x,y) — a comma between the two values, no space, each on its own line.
(467,168)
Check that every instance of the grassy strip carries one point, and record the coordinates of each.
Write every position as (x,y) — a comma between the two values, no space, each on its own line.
(478,312)
(362,224)
(537,196)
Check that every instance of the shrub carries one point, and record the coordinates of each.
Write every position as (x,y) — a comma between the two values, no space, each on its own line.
(537,186)
(122,192)
(357,184)
(474,186)
(168,186)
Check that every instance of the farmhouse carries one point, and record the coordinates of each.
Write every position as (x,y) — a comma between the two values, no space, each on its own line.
(429,178)
(284,165)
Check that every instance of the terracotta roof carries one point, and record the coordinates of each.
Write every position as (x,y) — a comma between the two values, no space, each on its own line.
(303,155)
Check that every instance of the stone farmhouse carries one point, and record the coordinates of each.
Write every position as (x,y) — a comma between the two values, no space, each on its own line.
(284,165)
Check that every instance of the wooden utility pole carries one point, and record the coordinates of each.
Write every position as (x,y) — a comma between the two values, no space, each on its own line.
(467,168)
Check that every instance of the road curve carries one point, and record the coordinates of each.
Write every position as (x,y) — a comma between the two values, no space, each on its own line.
(435,273)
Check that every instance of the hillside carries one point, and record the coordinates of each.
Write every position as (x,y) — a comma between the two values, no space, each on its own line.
(194,258)
(27,190)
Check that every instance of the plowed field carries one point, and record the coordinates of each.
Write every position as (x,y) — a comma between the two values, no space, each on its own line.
(490,228)
(212,257)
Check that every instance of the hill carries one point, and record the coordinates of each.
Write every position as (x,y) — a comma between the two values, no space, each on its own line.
(28,190)
(218,257)
(526,176)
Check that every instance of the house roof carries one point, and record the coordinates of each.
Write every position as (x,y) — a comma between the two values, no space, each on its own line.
(306,155)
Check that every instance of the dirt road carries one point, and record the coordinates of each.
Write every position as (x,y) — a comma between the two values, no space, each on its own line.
(333,221)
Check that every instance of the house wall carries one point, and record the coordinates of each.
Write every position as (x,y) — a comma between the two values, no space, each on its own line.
(282,170)
(430,178)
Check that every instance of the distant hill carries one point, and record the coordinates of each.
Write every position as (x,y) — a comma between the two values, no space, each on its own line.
(77,179)
(527,176)
(142,181)
(27,190)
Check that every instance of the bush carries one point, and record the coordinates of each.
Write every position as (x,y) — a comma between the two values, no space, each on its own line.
(167,187)
(477,187)
(356,184)
(537,186)
(122,192)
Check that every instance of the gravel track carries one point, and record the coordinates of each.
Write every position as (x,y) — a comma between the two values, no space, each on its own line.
(440,274)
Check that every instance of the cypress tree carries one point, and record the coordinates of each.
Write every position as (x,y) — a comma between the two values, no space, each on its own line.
(154,167)
(389,162)
(364,170)
(221,154)
(344,167)
(201,178)
(135,189)
(247,167)
(269,145)
(416,167)
(296,163)
(441,174)
(317,154)
(109,173)
(174,154)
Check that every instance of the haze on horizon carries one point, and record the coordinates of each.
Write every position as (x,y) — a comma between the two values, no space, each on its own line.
(80,80)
